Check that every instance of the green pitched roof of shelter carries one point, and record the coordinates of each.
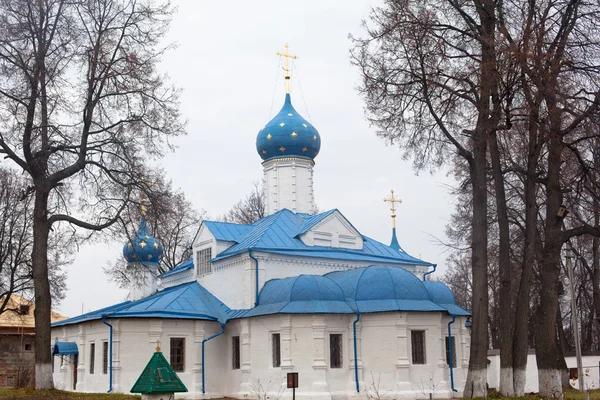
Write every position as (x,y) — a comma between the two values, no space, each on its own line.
(158,377)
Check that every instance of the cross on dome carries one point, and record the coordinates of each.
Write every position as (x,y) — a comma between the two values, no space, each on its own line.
(287,56)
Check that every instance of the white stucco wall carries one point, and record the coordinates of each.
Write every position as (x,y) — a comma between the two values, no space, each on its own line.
(383,347)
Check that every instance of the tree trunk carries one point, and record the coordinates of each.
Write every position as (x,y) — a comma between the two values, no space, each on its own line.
(506,316)
(522,307)
(41,230)
(596,261)
(476,384)
(548,351)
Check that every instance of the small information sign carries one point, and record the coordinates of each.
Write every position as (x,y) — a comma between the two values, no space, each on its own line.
(292,380)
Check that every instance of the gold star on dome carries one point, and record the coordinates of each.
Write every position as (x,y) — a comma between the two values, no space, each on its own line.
(129,244)
(147,237)
(294,134)
(149,257)
(304,150)
(269,136)
(282,124)
(304,125)
(142,244)
(315,138)
(290,114)
(282,149)
(264,152)
(156,245)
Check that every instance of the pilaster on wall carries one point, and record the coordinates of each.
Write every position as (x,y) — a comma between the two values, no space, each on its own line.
(246,361)
(465,343)
(287,364)
(361,380)
(442,373)
(197,366)
(116,365)
(154,331)
(81,361)
(319,363)
(403,362)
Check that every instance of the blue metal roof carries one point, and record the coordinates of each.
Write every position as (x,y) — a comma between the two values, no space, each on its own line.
(364,290)
(442,295)
(278,233)
(227,231)
(186,265)
(62,348)
(186,301)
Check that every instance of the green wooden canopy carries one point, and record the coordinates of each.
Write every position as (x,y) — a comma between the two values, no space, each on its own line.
(158,377)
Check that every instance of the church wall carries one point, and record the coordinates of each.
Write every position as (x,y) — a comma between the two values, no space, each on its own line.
(134,342)
(232,281)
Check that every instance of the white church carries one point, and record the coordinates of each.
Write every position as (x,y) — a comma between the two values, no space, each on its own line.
(294,292)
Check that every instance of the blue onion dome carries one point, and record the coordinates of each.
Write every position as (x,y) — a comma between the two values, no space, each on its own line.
(288,135)
(143,248)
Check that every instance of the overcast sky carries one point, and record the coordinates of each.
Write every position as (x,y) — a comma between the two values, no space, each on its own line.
(225,62)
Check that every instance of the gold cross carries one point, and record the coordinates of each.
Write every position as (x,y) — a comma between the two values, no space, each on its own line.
(287,56)
(392,199)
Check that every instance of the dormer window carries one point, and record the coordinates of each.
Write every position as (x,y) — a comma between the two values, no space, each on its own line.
(203,258)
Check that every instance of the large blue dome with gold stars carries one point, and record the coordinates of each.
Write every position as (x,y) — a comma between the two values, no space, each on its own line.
(288,135)
(143,248)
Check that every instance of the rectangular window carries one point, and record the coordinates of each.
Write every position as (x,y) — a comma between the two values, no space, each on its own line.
(418,346)
(203,257)
(177,354)
(92,357)
(335,350)
(10,382)
(105,358)
(453,351)
(235,352)
(276,349)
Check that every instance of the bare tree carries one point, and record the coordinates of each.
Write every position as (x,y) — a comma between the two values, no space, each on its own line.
(431,84)
(16,242)
(248,210)
(172,219)
(82,108)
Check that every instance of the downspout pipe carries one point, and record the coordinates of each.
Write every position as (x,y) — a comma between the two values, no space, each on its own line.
(204,341)
(256,277)
(430,272)
(450,351)
(356,354)
(110,353)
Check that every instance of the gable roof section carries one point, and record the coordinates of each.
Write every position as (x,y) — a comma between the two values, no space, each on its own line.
(158,377)
(278,233)
(314,220)
(184,266)
(227,231)
(186,301)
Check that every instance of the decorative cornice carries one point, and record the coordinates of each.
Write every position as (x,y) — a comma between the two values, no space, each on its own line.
(274,160)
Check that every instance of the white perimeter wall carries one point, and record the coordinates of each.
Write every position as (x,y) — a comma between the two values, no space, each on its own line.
(590,369)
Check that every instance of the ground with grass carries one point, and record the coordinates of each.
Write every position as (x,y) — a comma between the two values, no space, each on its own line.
(30,394)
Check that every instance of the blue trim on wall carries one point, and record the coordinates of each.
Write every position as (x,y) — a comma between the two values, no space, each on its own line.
(110,353)
(204,341)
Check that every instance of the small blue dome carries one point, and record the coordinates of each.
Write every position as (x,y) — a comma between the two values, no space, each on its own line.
(143,248)
(288,135)
(439,292)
